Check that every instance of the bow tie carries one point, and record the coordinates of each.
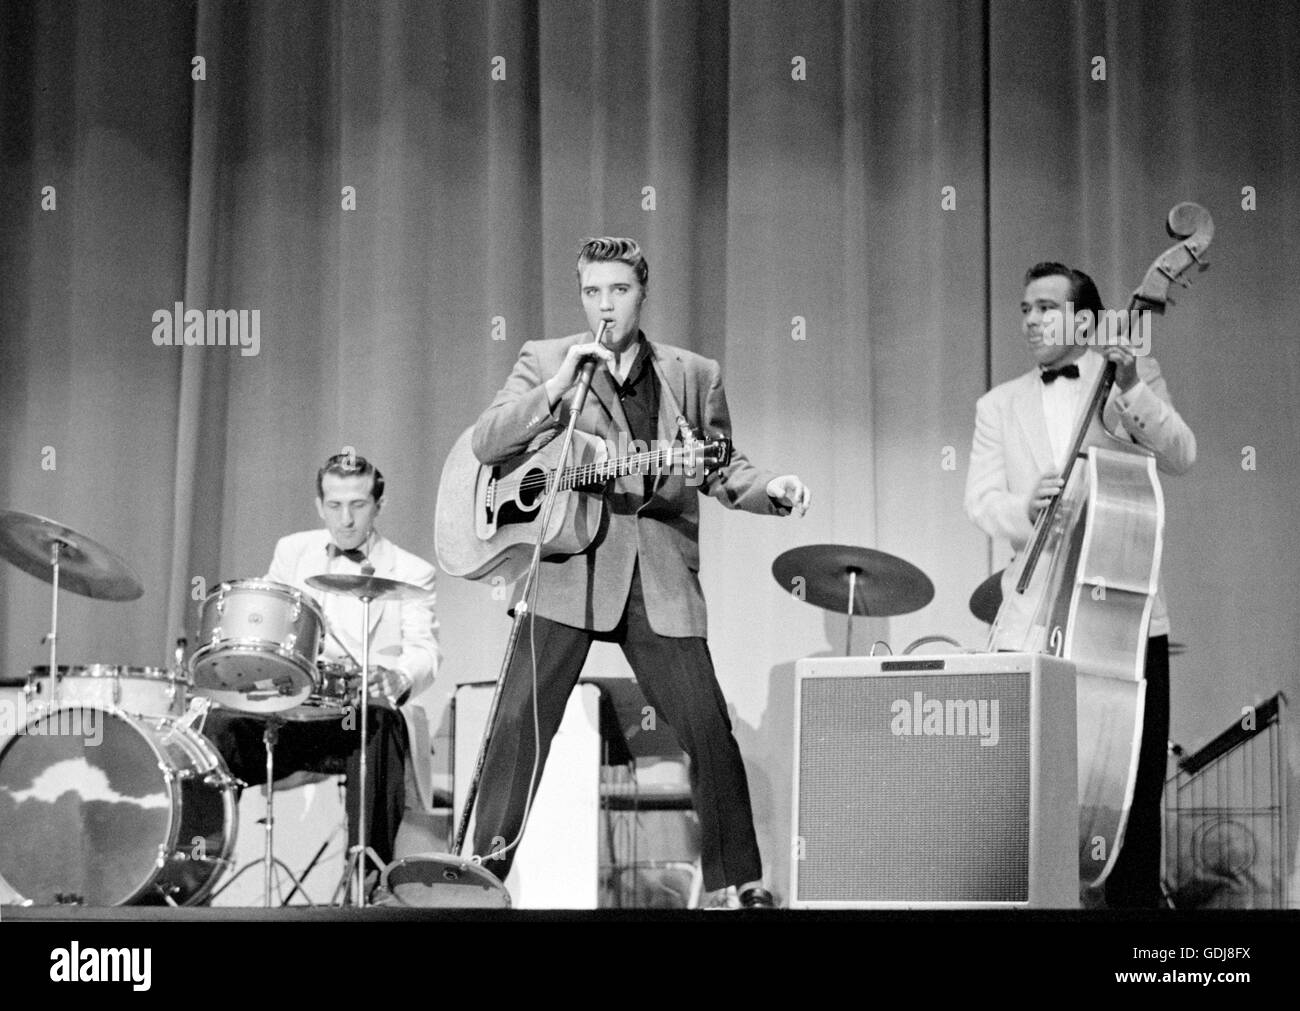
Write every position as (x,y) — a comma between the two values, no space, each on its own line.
(1065,371)
(355,554)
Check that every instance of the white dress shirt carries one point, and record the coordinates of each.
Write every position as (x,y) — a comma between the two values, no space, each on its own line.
(1063,399)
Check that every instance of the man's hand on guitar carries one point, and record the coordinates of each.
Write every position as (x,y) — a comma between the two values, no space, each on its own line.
(1048,487)
(790,492)
(569,369)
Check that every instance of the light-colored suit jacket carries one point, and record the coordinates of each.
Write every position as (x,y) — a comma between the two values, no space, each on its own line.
(1011,450)
(402,633)
(589,590)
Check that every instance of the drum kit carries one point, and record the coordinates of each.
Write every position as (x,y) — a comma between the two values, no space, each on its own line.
(109,792)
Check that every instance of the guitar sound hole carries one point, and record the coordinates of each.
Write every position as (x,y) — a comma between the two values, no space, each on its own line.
(532,488)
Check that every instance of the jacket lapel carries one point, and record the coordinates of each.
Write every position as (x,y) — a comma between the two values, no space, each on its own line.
(602,390)
(672,372)
(1033,423)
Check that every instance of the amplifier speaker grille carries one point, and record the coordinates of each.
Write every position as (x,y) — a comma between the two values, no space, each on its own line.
(918,787)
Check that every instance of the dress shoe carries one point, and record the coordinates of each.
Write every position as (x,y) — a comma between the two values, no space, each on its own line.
(756,897)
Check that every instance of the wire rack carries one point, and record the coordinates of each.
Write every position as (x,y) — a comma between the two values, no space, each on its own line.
(1226,818)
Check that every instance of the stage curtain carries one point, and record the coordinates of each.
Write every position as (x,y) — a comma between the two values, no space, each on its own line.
(838,200)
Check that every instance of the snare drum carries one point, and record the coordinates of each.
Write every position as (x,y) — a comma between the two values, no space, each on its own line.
(339,690)
(143,691)
(258,646)
(103,808)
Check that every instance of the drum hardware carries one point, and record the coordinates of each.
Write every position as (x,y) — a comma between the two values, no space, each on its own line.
(141,691)
(333,699)
(926,640)
(268,861)
(365,588)
(854,581)
(260,642)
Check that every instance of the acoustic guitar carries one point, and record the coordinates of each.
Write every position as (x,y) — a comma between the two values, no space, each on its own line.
(488,516)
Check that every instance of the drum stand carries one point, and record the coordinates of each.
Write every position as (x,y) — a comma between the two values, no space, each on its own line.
(358,855)
(442,869)
(269,861)
(57,545)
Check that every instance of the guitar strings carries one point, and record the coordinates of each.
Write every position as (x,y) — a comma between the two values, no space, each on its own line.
(587,472)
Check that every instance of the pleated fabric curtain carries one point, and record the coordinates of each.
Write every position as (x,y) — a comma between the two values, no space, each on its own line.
(838,200)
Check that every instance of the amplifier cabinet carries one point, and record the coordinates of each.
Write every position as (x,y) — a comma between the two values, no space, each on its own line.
(935,782)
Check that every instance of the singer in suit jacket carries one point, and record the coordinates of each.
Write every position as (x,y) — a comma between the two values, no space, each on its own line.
(1022,432)
(403,658)
(638,584)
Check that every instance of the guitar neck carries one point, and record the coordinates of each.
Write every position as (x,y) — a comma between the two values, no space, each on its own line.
(607,470)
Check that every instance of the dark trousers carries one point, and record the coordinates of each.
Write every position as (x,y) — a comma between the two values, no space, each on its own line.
(677,678)
(324,746)
(1134,881)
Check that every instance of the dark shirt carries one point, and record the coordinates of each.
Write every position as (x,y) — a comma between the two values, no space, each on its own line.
(639,396)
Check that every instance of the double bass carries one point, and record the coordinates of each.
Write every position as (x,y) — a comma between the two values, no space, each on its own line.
(1086,581)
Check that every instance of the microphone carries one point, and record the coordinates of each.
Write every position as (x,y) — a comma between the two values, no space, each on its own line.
(589,368)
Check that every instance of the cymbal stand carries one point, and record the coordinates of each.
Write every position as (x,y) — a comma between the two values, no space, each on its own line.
(268,860)
(359,854)
(853,592)
(56,549)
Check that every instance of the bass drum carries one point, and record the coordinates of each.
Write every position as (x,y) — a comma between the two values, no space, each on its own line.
(103,808)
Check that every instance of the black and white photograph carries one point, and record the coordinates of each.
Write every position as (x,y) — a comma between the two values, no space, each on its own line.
(811,473)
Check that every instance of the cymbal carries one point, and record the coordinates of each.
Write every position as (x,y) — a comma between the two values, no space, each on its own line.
(86,567)
(374,587)
(885,584)
(986,601)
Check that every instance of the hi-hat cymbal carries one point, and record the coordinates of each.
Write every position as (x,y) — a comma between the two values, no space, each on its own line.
(374,587)
(986,601)
(883,584)
(86,567)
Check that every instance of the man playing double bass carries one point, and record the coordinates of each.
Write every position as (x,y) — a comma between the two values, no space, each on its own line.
(1023,431)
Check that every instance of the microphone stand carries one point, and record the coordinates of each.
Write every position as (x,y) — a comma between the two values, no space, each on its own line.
(522,611)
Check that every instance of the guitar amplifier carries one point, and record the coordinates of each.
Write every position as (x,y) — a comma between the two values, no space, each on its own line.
(935,782)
